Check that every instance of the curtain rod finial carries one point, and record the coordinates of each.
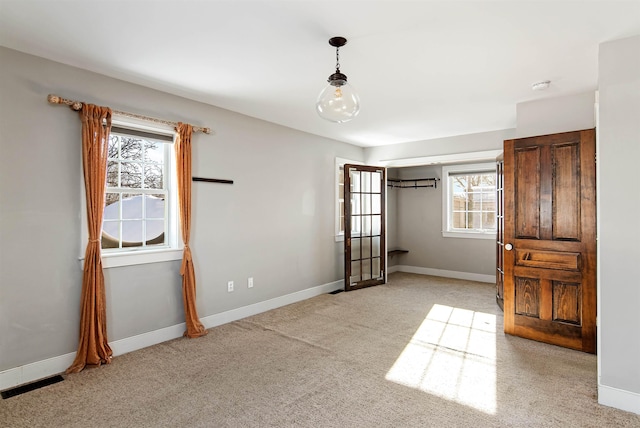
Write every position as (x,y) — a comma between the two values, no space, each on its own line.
(54,99)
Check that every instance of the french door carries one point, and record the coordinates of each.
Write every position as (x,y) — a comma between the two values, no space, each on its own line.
(365,237)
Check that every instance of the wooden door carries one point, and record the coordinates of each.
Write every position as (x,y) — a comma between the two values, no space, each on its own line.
(500,231)
(364,231)
(550,239)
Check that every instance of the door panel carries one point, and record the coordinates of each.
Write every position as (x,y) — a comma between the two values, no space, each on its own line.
(550,271)
(527,184)
(566,192)
(364,243)
(547,259)
(527,291)
(567,307)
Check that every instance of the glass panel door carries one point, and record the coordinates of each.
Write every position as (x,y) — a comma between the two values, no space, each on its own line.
(365,254)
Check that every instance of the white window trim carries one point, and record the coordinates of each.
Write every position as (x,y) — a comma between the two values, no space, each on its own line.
(137,256)
(340,162)
(446,200)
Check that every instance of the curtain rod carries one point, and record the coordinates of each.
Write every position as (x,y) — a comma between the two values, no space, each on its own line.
(77,105)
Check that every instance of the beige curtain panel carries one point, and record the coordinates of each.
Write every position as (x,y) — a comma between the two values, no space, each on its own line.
(183,159)
(93,348)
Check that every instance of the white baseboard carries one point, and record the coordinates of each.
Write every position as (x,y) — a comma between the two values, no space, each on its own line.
(618,398)
(267,305)
(444,273)
(139,341)
(56,365)
(34,371)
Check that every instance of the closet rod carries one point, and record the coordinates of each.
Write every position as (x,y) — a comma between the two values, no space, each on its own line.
(415,181)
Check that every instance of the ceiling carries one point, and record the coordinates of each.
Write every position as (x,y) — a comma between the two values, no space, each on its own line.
(423,69)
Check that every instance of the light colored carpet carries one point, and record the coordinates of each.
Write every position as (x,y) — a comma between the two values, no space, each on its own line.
(419,351)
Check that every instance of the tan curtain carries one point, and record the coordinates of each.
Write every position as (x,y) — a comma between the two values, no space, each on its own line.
(93,348)
(183,159)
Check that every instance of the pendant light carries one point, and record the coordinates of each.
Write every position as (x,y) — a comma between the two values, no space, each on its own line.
(338,102)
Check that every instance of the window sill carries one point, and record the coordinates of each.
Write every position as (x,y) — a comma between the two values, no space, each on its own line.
(130,258)
(470,235)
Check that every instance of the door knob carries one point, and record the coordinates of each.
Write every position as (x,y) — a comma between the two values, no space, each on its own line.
(508,247)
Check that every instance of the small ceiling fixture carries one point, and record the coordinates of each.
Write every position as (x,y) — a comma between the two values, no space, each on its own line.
(540,86)
(338,102)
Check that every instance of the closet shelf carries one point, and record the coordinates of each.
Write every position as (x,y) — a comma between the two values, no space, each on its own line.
(396,252)
(414,183)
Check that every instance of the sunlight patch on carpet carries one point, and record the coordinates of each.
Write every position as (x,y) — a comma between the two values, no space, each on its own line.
(452,355)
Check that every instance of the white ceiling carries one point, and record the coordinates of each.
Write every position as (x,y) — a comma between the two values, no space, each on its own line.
(423,69)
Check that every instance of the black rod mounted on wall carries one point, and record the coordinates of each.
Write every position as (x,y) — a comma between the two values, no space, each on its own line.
(212,180)
(412,183)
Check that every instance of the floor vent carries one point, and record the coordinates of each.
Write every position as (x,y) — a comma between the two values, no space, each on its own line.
(340,290)
(31,386)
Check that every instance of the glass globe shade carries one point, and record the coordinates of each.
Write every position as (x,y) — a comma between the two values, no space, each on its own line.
(338,103)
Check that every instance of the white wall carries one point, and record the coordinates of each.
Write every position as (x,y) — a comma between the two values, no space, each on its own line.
(555,115)
(619,235)
(449,149)
(275,223)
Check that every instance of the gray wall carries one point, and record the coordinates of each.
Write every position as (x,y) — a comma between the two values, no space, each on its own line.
(276,223)
(619,208)
(419,230)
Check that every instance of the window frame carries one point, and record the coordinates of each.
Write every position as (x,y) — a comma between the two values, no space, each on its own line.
(173,250)
(339,195)
(447,200)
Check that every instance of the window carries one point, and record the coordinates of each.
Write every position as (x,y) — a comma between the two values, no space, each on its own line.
(140,213)
(135,213)
(339,215)
(469,201)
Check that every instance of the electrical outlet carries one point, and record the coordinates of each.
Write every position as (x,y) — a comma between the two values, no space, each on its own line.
(250,282)
(230,286)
